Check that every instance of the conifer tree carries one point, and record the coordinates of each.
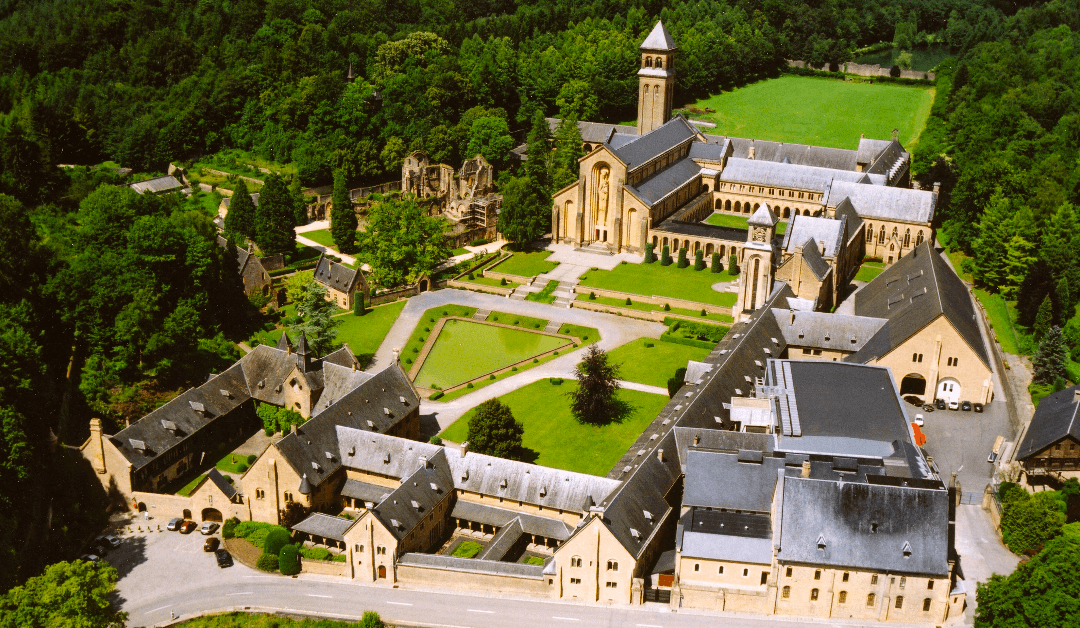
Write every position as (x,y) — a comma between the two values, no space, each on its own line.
(594,400)
(1063,304)
(716,267)
(665,256)
(683,262)
(538,157)
(1044,319)
(275,218)
(568,150)
(342,217)
(650,253)
(699,260)
(494,431)
(1049,360)
(240,218)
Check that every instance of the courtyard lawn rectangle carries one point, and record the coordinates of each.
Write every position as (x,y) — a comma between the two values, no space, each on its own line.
(427,323)
(365,333)
(664,281)
(653,365)
(525,322)
(526,264)
(557,439)
(648,307)
(869,270)
(819,111)
(739,222)
(465,350)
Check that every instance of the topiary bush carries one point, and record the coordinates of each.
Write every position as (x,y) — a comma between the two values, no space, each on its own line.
(251,459)
(665,256)
(650,256)
(716,266)
(288,563)
(733,264)
(628,301)
(699,260)
(267,562)
(683,262)
(667,307)
(275,540)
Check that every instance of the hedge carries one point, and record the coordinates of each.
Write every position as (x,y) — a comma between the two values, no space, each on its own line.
(315,553)
(228,529)
(288,564)
(275,540)
(267,562)
(256,531)
(689,342)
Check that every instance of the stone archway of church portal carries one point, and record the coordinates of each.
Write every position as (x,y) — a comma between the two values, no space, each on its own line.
(913,384)
(212,514)
(949,390)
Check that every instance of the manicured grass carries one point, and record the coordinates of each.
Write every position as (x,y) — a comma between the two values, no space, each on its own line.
(190,486)
(517,320)
(467,549)
(558,439)
(232,463)
(545,295)
(587,335)
(526,264)
(648,307)
(532,560)
(1001,319)
(365,333)
(249,620)
(869,270)
(820,112)
(424,327)
(490,281)
(457,252)
(466,349)
(739,222)
(653,365)
(665,281)
(322,236)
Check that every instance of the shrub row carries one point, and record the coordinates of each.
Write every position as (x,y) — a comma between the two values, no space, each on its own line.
(689,342)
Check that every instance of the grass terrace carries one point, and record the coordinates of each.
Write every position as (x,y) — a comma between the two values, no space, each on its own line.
(465,350)
(739,222)
(869,270)
(424,327)
(557,439)
(546,295)
(526,322)
(819,111)
(652,362)
(365,333)
(648,307)
(526,264)
(664,281)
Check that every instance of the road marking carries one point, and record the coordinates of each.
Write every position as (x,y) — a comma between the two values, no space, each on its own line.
(158,608)
(473,610)
(566,618)
(317,595)
(399,603)
(650,626)
(241,593)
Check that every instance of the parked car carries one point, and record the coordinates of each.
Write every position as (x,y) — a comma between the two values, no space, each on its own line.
(211,544)
(188,527)
(966,406)
(90,558)
(940,403)
(953,405)
(913,400)
(919,420)
(224,558)
(928,407)
(996,451)
(174,524)
(109,540)
(208,527)
(978,407)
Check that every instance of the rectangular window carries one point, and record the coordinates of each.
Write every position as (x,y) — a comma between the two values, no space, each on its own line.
(846,574)
(926,605)
(903,581)
(575,580)
(788,572)
(806,352)
(873,579)
(721,570)
(612,585)
(697,567)
(745,572)
(764,577)
(817,574)
(929,584)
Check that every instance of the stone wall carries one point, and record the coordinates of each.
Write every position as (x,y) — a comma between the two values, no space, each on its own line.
(324,567)
(864,69)
(416,575)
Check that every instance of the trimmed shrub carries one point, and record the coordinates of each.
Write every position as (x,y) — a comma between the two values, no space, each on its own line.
(315,553)
(733,264)
(650,256)
(275,540)
(665,256)
(716,266)
(699,260)
(228,529)
(267,562)
(703,312)
(251,459)
(628,301)
(683,262)
(288,563)
(435,440)
(649,345)
(492,376)
(667,307)
(358,303)
(592,296)
(556,381)
(502,281)
(437,395)
(469,385)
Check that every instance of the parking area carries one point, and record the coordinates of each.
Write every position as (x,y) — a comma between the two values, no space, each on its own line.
(956,439)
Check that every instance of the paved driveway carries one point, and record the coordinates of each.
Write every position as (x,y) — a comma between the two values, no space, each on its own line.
(956,439)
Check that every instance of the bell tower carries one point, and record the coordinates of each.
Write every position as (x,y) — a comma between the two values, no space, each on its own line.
(756,274)
(656,79)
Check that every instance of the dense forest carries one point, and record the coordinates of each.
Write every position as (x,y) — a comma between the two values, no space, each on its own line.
(127,291)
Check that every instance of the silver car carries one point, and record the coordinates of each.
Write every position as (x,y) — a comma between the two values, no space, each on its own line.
(208,528)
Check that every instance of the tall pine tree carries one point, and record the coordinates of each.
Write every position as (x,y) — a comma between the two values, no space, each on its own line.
(1049,360)
(342,217)
(1044,319)
(275,218)
(240,219)
(568,150)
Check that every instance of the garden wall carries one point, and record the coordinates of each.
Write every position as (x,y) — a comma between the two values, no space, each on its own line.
(162,506)
(424,570)
(324,567)
(655,300)
(655,315)
(863,69)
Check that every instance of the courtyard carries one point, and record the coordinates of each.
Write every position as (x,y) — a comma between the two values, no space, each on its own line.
(653,362)
(665,281)
(739,222)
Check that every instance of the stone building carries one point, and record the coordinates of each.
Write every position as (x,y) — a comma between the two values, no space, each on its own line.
(466,198)
(251,268)
(342,283)
(1051,445)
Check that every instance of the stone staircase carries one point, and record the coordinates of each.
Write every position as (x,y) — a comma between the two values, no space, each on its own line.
(553,327)
(481,315)
(564,294)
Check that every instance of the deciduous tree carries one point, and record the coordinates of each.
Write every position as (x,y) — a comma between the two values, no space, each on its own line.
(67,594)
(402,241)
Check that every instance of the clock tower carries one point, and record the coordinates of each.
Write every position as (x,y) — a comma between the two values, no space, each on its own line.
(656,79)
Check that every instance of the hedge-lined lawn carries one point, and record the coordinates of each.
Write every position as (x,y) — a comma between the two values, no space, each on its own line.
(819,111)
(869,270)
(427,323)
(490,281)
(466,349)
(365,333)
(526,264)
(587,335)
(739,222)
(233,463)
(526,322)
(648,307)
(558,439)
(467,549)
(665,281)
(654,364)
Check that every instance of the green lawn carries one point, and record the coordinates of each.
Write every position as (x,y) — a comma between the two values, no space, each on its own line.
(190,486)
(467,549)
(587,335)
(516,320)
(457,252)
(490,281)
(1001,319)
(648,307)
(322,236)
(546,295)
(666,281)
(465,350)
(526,264)
(427,323)
(558,439)
(819,111)
(365,333)
(232,463)
(653,365)
(869,270)
(739,222)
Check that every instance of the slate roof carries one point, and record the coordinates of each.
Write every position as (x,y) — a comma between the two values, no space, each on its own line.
(503,541)
(740,537)
(720,480)
(795,154)
(1055,418)
(326,526)
(651,145)
(659,39)
(823,330)
(884,202)
(364,491)
(912,293)
(845,211)
(827,231)
(667,181)
(157,185)
(816,263)
(911,533)
(595,132)
(420,492)
(701,230)
(223,485)
(720,441)
(499,517)
(334,275)
(869,150)
(764,216)
(618,140)
(707,151)
(472,565)
(791,176)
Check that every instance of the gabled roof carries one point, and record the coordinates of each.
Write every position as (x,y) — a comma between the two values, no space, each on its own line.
(1054,419)
(666,181)
(326,526)
(781,175)
(157,185)
(721,480)
(221,483)
(912,293)
(884,202)
(825,330)
(869,149)
(595,132)
(661,139)
(333,275)
(817,264)
(846,211)
(659,39)
(795,154)
(764,216)
(417,495)
(499,517)
(823,231)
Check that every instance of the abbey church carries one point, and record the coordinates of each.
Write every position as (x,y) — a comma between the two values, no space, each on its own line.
(657,185)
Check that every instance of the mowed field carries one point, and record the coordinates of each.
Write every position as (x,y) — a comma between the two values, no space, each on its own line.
(820,112)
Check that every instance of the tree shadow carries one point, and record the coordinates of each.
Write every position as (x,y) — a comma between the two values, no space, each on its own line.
(429,426)
(524,454)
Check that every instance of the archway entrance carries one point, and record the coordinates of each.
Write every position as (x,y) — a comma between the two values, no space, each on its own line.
(913,384)
(211,514)
(382,571)
(423,285)
(187,514)
(949,390)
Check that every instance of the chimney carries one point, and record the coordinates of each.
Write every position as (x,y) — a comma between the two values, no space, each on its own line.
(750,153)
(697,439)
(424,463)
(937,187)
(660,455)
(397,353)
(464,448)
(792,312)
(805,469)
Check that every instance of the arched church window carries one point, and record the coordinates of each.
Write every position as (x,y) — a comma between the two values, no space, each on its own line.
(907,238)
(648,62)
(869,233)
(918,238)
(881,235)
(727,206)
(660,62)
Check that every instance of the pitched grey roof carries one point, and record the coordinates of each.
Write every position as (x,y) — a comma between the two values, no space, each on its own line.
(1055,418)
(157,185)
(781,175)
(701,230)
(863,525)
(223,485)
(823,231)
(845,211)
(719,441)
(651,145)
(472,565)
(659,39)
(595,132)
(823,330)
(734,536)
(364,491)
(720,480)
(764,216)
(326,526)
(884,202)
(707,151)
(338,382)
(499,517)
(891,162)
(503,541)
(618,140)
(869,150)
(417,495)
(334,275)
(913,292)
(796,154)
(667,181)
(816,263)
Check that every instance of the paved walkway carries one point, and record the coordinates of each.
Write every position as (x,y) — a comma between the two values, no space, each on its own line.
(315,226)
(981,552)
